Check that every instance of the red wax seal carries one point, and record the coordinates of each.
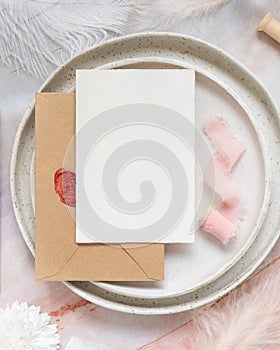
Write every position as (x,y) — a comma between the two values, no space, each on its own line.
(65,186)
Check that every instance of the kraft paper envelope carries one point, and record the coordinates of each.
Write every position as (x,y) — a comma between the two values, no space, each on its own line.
(58,256)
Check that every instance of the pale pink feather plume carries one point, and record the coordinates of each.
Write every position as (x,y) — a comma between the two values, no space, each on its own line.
(246,319)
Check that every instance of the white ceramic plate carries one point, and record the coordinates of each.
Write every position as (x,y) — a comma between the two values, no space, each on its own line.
(224,87)
(207,257)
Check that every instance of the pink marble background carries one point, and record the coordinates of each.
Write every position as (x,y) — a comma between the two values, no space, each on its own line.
(233,29)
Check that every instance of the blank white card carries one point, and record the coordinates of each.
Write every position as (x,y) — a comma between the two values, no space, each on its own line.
(134,156)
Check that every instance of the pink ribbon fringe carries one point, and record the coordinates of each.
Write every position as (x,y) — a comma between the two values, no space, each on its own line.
(222,223)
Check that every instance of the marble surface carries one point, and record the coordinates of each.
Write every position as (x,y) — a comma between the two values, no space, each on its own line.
(232,28)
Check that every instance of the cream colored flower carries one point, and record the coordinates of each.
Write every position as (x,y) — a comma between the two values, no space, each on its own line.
(24,328)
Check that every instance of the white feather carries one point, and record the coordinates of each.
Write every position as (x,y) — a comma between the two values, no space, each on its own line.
(38,35)
(162,14)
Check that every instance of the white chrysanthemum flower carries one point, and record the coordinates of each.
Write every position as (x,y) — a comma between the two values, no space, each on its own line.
(24,328)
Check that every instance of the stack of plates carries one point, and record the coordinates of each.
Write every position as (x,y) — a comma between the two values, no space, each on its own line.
(202,272)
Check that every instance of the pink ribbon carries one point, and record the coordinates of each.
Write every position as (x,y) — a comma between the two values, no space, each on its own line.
(222,223)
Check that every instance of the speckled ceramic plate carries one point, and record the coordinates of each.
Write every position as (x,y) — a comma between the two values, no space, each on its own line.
(223,86)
